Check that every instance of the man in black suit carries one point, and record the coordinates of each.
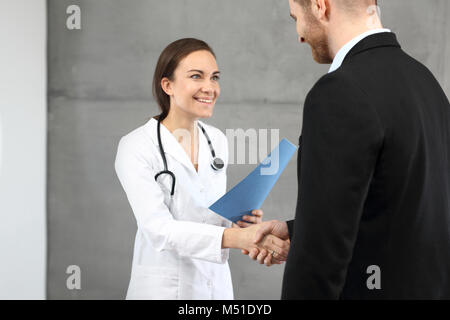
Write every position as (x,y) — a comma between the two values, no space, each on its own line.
(373,209)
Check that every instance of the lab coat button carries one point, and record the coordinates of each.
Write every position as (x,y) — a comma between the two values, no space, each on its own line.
(209,283)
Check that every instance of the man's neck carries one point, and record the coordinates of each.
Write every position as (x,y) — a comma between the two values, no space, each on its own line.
(346,30)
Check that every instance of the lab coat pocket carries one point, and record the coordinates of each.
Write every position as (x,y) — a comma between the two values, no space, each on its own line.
(150,283)
(194,285)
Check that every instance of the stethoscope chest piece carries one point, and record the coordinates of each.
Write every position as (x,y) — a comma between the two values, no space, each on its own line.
(217,164)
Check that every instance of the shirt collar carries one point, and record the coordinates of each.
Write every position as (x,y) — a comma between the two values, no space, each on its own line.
(340,56)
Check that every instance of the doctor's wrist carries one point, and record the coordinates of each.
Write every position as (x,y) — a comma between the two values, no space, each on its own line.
(231,238)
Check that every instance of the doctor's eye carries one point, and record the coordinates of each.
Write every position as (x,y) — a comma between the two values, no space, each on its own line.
(216,78)
(195,76)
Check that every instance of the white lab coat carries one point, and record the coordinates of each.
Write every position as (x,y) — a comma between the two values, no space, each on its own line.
(177,250)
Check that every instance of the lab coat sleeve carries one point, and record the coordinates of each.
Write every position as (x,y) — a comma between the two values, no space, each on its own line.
(189,239)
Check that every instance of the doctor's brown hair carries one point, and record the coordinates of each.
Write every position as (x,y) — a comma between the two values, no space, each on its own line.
(167,63)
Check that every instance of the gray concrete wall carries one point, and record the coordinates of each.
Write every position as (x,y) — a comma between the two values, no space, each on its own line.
(100,89)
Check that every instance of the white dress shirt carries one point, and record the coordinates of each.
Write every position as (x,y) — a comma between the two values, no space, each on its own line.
(342,53)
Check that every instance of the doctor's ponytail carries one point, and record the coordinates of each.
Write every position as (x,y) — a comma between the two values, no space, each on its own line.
(167,63)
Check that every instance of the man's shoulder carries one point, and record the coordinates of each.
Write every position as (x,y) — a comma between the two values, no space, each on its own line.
(336,78)
(338,94)
(335,85)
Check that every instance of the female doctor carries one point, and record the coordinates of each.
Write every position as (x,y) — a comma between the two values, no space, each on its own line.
(172,169)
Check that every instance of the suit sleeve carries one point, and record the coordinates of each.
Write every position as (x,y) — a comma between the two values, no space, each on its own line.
(290,225)
(341,139)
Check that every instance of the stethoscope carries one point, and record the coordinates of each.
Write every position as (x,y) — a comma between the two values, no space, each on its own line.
(216,163)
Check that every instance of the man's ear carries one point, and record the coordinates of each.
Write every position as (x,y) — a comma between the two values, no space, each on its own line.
(321,9)
(166,85)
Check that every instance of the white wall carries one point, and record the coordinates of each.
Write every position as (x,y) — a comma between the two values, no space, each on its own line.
(23,117)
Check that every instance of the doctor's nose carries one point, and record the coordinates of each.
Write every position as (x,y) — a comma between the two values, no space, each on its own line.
(209,88)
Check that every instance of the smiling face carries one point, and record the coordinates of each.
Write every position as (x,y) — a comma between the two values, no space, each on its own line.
(194,88)
(311,31)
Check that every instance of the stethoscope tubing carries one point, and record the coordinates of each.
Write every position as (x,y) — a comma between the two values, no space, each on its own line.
(216,164)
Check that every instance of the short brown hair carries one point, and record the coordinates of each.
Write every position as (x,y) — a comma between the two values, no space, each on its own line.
(306,3)
(167,63)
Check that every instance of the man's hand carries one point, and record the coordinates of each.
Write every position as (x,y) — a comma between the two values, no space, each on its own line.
(259,252)
(269,244)
(244,239)
(276,228)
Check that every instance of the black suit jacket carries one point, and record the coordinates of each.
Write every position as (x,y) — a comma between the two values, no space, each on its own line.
(374,181)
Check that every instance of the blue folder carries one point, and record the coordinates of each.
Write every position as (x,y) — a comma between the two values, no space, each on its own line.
(250,193)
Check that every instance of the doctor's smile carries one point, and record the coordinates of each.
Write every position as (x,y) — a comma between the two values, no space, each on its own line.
(208,99)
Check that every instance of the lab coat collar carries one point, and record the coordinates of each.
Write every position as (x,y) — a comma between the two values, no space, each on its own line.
(173,147)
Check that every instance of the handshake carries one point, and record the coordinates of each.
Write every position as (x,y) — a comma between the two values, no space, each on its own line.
(267,242)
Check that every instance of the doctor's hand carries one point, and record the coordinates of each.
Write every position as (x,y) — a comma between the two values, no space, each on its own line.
(255,218)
